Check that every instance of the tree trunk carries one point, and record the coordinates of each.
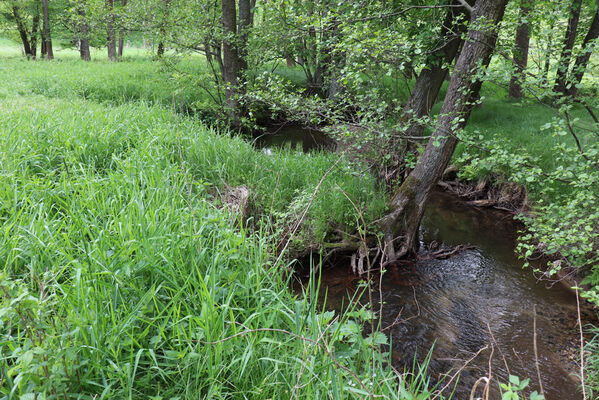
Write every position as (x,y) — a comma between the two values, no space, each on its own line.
(290,61)
(84,34)
(232,60)
(407,206)
(547,65)
(245,24)
(564,61)
(431,77)
(582,60)
(34,31)
(46,27)
(22,32)
(162,31)
(121,44)
(520,51)
(121,34)
(43,51)
(110,34)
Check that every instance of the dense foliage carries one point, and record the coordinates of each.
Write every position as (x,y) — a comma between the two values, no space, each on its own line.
(121,264)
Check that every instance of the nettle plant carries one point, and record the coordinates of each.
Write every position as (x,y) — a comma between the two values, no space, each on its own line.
(37,357)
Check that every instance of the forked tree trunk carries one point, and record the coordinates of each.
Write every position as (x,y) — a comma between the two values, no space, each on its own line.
(46,27)
(407,206)
(520,51)
(564,61)
(580,65)
(110,34)
(431,77)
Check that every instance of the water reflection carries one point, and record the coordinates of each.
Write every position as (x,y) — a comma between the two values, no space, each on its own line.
(294,136)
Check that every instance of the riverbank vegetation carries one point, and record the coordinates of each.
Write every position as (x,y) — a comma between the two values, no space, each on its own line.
(128,273)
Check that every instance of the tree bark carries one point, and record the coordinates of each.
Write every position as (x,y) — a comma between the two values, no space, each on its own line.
(110,34)
(520,51)
(233,63)
(34,31)
(547,65)
(84,52)
(582,60)
(162,31)
(245,23)
(565,57)
(121,44)
(431,77)
(46,27)
(22,32)
(407,206)
(121,34)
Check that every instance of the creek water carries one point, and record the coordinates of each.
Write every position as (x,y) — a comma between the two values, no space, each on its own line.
(294,136)
(478,297)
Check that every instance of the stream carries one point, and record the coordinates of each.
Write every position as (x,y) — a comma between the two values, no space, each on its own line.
(478,297)
(295,136)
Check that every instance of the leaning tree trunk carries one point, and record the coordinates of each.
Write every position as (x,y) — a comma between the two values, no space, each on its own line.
(520,51)
(46,27)
(583,59)
(564,61)
(110,34)
(431,77)
(407,206)
(22,32)
(84,52)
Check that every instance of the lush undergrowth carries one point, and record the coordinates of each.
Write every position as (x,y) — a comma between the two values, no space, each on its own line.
(123,277)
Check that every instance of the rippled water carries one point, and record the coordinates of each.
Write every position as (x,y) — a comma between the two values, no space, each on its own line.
(476,298)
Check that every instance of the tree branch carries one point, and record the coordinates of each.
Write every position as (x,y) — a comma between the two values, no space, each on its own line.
(467,6)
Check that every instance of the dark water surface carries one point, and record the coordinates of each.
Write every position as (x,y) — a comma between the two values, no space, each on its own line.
(295,136)
(456,303)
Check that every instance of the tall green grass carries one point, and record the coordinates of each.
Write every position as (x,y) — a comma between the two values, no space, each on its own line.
(122,277)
